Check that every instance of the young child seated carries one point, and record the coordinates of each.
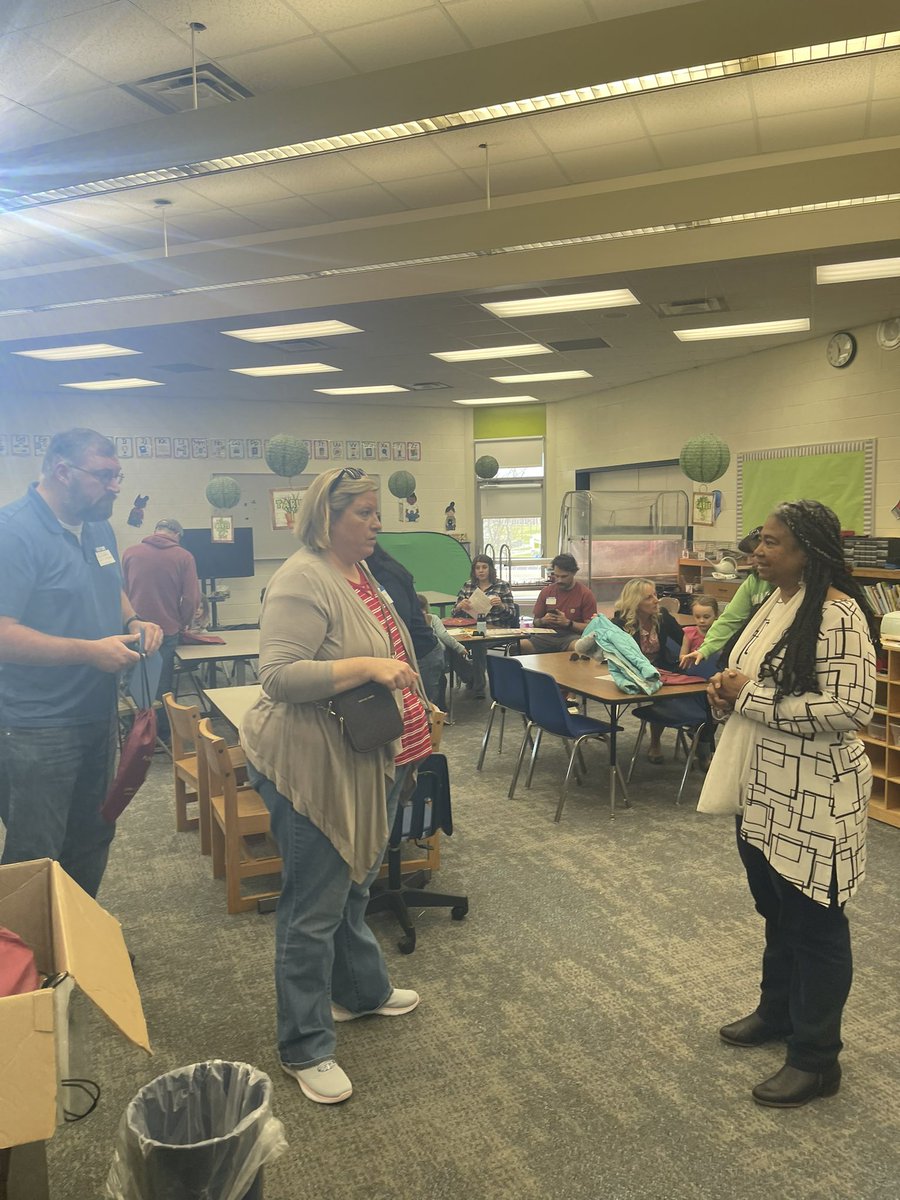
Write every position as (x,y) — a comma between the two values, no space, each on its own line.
(705,609)
(455,654)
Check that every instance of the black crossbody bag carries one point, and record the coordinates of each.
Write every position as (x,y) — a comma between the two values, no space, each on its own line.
(368,715)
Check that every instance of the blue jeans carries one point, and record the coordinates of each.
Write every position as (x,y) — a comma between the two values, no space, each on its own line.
(324,949)
(167,676)
(431,672)
(52,784)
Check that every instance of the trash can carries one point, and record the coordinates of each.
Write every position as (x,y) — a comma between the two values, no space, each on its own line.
(203,1132)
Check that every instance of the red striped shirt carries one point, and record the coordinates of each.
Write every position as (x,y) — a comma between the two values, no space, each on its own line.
(416,742)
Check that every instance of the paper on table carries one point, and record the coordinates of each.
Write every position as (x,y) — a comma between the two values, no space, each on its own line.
(480,602)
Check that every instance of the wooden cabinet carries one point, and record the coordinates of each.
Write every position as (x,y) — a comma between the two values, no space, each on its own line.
(882,740)
(695,574)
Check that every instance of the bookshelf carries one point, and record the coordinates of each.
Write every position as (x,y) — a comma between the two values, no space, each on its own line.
(882,740)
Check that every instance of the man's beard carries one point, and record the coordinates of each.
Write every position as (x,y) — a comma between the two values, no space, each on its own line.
(100,510)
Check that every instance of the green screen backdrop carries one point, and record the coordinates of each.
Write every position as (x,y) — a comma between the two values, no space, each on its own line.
(839,474)
(437,561)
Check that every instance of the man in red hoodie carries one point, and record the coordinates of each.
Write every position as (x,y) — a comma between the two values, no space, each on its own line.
(161,582)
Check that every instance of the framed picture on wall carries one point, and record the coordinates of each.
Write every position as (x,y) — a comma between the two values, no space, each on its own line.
(354,449)
(320,448)
(400,451)
(703,509)
(4,445)
(222,529)
(40,441)
(181,447)
(162,447)
(254,448)
(368,451)
(199,448)
(284,503)
(143,447)
(236,448)
(306,443)
(21,445)
(124,447)
(218,448)
(414,451)
(337,449)
(384,451)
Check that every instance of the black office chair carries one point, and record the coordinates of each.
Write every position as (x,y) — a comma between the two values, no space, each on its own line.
(426,812)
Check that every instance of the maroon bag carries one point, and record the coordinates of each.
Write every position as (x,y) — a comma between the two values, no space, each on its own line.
(134,763)
(18,970)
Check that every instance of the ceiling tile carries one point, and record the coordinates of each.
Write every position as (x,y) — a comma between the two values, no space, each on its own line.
(719,102)
(103,108)
(31,72)
(886,75)
(91,210)
(486,24)
(707,145)
(232,26)
(208,226)
(368,201)
(818,128)
(235,188)
(326,15)
(283,214)
(329,173)
(810,88)
(591,125)
(884,118)
(27,14)
(609,162)
(609,10)
(401,160)
(513,178)
(508,141)
(117,42)
(21,127)
(432,191)
(295,64)
(389,43)
(182,196)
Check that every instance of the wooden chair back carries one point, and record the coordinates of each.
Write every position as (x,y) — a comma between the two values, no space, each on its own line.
(187,771)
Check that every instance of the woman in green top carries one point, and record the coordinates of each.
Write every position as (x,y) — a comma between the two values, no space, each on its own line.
(743,603)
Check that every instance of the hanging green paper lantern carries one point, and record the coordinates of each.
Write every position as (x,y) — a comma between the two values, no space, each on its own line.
(704,458)
(402,484)
(486,467)
(223,492)
(286,455)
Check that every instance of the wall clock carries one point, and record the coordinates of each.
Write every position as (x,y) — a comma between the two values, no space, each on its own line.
(888,334)
(841,349)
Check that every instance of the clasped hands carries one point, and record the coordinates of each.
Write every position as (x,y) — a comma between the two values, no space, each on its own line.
(724,688)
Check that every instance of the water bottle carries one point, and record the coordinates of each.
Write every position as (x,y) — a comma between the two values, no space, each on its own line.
(481,626)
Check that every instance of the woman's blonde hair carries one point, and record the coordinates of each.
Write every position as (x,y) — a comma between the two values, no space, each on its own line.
(326,498)
(628,601)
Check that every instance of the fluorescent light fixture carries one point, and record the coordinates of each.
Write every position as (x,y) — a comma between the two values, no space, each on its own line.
(755,329)
(285,369)
(873,268)
(289,333)
(372,390)
(69,353)
(577,302)
(545,377)
(493,352)
(113,385)
(750,64)
(499,400)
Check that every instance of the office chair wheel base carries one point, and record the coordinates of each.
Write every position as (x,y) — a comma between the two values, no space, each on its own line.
(407,944)
(459,911)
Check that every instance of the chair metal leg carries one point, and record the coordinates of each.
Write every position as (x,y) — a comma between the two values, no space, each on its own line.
(519,760)
(565,787)
(502,728)
(487,735)
(637,747)
(689,762)
(534,754)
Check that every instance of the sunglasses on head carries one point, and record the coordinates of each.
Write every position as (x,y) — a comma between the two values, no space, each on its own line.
(346,473)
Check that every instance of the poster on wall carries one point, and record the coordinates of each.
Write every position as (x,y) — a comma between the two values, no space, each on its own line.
(368,450)
(284,503)
(254,448)
(4,445)
(21,445)
(41,441)
(222,529)
(162,447)
(236,448)
(218,448)
(124,447)
(400,451)
(354,449)
(143,447)
(320,448)
(384,451)
(181,447)
(199,448)
(703,511)
(414,451)
(337,449)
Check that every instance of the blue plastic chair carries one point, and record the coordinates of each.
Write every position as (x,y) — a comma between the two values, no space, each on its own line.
(693,731)
(507,693)
(547,713)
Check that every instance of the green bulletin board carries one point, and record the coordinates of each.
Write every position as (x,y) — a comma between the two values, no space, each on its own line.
(839,474)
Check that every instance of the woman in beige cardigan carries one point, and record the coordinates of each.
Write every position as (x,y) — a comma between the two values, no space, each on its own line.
(326,628)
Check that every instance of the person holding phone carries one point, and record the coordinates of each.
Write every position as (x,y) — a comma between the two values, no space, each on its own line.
(564,606)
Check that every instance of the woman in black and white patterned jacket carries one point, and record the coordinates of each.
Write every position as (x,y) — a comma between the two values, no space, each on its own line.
(799,686)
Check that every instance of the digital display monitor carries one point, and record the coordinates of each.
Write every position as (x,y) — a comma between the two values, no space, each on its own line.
(221,560)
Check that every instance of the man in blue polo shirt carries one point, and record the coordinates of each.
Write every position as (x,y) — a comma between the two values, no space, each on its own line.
(66,630)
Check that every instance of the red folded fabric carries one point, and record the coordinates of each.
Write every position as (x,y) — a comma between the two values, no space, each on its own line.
(673,677)
(200,639)
(459,622)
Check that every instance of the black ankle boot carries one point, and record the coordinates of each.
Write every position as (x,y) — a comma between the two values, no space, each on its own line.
(750,1031)
(792,1088)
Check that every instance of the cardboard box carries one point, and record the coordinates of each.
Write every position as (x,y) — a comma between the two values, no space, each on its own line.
(73,937)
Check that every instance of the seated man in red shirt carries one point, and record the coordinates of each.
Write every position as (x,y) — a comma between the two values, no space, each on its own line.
(564,606)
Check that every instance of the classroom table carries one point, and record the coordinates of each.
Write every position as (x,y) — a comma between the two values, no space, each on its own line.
(237,646)
(479,644)
(440,600)
(591,679)
(233,703)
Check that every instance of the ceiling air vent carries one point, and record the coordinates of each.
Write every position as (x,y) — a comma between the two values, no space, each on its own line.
(428,387)
(174,91)
(594,343)
(689,308)
(291,347)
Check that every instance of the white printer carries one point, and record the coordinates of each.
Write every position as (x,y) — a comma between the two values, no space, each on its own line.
(890,627)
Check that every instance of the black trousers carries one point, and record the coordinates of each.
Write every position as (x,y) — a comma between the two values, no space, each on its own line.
(807,964)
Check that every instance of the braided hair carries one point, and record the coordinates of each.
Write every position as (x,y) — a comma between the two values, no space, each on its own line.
(818,532)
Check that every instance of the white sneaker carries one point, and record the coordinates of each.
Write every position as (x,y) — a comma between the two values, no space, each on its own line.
(400,1001)
(325,1083)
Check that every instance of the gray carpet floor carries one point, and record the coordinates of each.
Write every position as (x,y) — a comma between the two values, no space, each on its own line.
(566,1041)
